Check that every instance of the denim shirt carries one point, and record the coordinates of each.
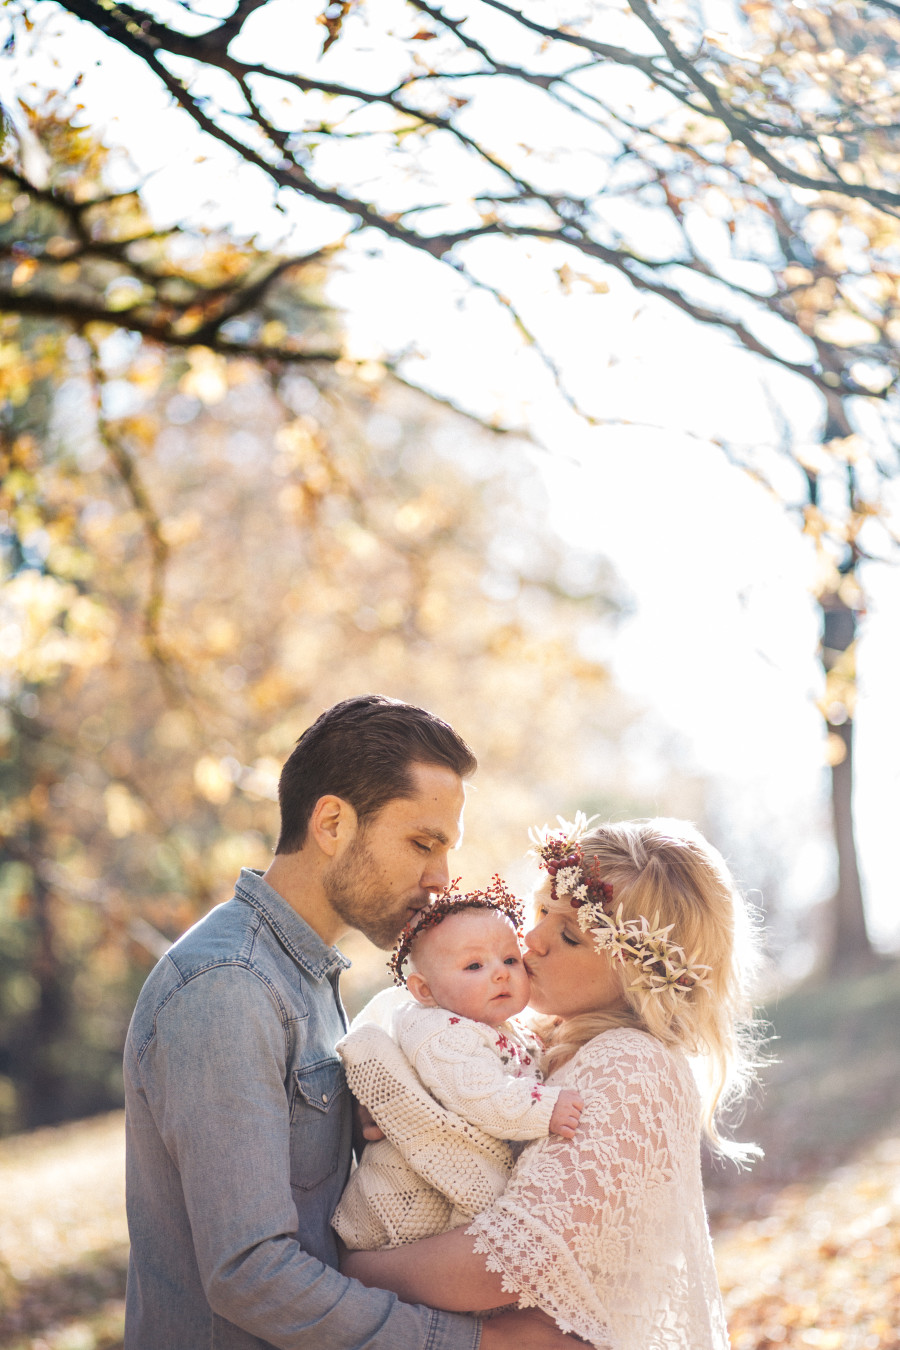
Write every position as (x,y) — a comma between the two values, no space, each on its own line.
(238,1148)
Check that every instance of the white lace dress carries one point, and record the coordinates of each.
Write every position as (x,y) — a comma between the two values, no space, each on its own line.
(607,1232)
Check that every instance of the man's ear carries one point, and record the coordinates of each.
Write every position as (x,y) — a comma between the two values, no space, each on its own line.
(418,987)
(333,822)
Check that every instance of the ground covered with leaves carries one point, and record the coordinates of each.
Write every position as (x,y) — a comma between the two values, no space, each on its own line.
(807,1243)
(63,1237)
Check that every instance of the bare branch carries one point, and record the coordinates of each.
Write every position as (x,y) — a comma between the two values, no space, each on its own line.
(745,130)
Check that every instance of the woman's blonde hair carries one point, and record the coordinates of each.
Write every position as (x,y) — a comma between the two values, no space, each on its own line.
(666,868)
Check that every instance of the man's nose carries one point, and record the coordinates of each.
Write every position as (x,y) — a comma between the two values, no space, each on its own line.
(437,873)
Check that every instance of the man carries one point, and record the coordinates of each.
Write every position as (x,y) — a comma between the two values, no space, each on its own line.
(238,1117)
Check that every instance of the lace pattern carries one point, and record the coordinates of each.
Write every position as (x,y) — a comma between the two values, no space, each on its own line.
(607,1232)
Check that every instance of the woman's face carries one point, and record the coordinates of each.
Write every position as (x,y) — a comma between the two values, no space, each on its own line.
(568,975)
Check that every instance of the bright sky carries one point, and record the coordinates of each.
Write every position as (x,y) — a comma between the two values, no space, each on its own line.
(721,646)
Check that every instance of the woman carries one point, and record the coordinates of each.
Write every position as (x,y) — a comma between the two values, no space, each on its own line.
(638,964)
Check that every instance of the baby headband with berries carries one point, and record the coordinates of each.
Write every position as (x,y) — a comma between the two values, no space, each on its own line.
(657,962)
(450,901)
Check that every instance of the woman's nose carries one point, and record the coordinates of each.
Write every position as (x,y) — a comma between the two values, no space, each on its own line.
(534,941)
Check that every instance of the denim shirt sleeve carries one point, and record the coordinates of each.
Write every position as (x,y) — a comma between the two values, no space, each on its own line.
(213,1074)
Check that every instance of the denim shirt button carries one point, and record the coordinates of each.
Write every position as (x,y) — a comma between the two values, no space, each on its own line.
(325,1098)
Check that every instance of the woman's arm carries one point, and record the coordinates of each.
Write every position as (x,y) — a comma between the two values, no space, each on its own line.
(442,1271)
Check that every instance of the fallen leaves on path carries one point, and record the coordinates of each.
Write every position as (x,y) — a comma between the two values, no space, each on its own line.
(63,1237)
(821,1268)
(818,1269)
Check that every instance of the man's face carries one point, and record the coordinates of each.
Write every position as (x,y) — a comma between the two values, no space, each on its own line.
(399,857)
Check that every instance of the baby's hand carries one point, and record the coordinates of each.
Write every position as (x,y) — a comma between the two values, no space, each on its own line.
(566,1113)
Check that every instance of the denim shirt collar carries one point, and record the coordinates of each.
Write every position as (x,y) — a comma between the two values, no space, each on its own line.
(294,933)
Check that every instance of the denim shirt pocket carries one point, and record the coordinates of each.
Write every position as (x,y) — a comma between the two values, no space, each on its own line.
(316,1122)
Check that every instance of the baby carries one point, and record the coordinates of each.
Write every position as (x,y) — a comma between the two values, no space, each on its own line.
(435,1169)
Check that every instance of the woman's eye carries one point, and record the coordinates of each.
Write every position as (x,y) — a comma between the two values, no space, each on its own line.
(570,942)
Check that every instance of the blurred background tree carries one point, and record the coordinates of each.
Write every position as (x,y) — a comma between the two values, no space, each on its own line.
(202,547)
(745,175)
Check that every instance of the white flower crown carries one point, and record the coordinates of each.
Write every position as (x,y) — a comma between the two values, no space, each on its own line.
(657,962)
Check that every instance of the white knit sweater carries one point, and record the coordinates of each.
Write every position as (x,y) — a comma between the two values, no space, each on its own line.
(445,1156)
(487,1075)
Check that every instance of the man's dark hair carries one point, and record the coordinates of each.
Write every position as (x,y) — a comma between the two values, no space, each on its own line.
(363,750)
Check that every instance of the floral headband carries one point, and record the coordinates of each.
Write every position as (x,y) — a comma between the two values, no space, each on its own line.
(657,962)
(450,901)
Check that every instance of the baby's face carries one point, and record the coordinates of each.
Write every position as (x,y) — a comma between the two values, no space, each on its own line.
(472,966)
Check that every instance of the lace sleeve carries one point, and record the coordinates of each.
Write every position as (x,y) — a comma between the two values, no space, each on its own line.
(606,1231)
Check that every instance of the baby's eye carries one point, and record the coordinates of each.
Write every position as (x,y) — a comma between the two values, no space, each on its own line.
(474,965)
(512,961)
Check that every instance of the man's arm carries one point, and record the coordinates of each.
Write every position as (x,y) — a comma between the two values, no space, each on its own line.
(465,1283)
(214,1079)
(529,1329)
(448,1269)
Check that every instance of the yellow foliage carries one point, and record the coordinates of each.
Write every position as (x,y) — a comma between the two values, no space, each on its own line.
(273,333)
(125,293)
(206,379)
(814,522)
(300,444)
(221,635)
(173,730)
(47,625)
(23,272)
(845,329)
(361,543)
(211,780)
(182,529)
(124,814)
(422,516)
(835,750)
(270,692)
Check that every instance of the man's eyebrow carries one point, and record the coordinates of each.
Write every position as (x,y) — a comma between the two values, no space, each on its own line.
(437,835)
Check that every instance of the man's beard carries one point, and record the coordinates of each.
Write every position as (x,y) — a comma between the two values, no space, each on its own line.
(359,897)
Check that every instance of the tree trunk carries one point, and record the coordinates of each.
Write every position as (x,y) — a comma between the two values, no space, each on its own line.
(43,1082)
(848,945)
